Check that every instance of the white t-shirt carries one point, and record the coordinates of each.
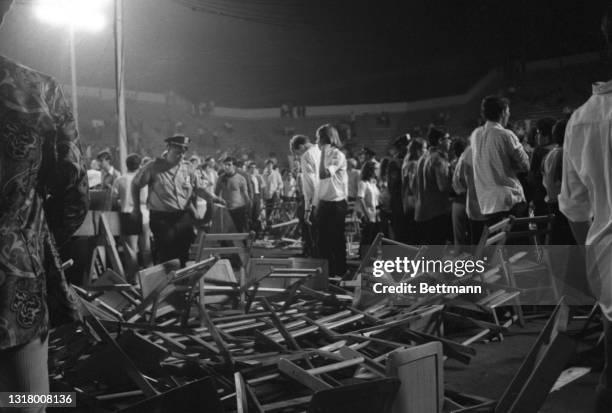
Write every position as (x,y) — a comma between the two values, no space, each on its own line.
(368,191)
(334,188)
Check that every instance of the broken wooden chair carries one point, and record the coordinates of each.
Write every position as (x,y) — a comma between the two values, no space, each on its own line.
(235,246)
(420,371)
(498,290)
(179,282)
(530,268)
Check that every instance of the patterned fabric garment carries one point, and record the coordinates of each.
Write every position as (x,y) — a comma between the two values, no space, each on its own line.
(43,199)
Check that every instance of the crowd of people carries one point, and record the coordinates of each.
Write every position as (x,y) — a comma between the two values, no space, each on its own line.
(433,189)
(180,192)
(429,189)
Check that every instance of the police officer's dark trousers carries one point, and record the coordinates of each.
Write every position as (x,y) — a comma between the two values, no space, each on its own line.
(173,234)
(332,244)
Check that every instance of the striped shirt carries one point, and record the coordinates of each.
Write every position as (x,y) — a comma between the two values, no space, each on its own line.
(497,156)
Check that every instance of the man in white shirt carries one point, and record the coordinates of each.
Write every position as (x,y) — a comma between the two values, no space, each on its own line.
(310,157)
(273,186)
(333,206)
(257,182)
(586,199)
(497,156)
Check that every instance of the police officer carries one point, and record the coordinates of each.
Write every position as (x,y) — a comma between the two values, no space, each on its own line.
(172,183)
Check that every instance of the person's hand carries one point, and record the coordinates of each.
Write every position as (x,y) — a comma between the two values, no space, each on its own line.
(136,213)
(220,201)
(307,218)
(308,214)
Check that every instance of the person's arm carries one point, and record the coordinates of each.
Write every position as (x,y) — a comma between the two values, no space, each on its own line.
(518,155)
(324,173)
(279,184)
(116,191)
(361,198)
(141,179)
(199,188)
(459,183)
(580,231)
(245,191)
(308,181)
(66,178)
(335,162)
(441,170)
(574,200)
(414,180)
(218,185)
(547,176)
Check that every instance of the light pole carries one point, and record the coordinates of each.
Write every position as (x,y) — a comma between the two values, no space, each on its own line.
(75,14)
(73,78)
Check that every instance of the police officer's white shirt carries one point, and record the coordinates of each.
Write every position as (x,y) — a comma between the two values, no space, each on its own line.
(334,188)
(170,187)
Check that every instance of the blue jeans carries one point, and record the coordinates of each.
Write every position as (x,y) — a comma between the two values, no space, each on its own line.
(24,369)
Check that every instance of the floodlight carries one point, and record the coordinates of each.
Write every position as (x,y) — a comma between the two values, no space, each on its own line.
(79,14)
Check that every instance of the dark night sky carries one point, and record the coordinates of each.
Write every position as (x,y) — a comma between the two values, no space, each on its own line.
(312,51)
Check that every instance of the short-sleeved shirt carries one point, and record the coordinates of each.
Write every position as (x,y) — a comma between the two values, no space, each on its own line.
(497,156)
(273,183)
(170,186)
(368,191)
(334,188)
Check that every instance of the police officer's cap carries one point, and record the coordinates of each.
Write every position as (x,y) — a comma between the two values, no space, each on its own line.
(104,154)
(180,140)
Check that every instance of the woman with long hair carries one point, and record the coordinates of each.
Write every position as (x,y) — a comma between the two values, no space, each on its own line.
(333,194)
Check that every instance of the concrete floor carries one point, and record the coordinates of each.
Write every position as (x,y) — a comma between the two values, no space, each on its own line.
(495,364)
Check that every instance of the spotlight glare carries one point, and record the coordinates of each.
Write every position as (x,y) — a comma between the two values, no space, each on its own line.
(82,14)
